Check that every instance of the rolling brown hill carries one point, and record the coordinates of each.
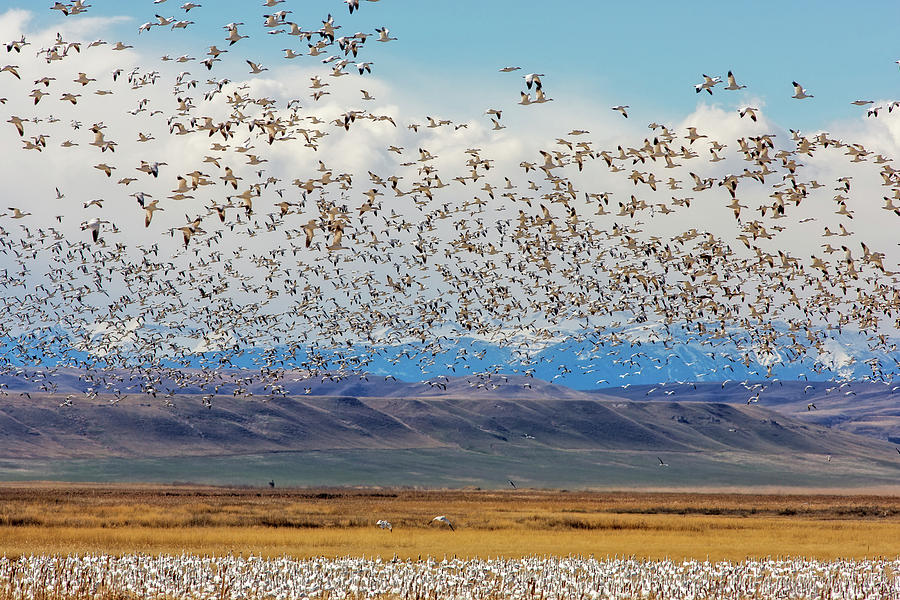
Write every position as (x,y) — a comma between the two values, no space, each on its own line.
(865,408)
(463,431)
(40,428)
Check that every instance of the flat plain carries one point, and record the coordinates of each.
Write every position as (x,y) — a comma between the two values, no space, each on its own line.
(302,523)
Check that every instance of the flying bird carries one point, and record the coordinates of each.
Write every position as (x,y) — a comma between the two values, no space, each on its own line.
(707,84)
(443,519)
(732,83)
(384,525)
(800,92)
(533,79)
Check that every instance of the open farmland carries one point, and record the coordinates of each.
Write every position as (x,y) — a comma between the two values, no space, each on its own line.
(302,523)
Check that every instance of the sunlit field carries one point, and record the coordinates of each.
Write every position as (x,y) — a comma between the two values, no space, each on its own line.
(509,524)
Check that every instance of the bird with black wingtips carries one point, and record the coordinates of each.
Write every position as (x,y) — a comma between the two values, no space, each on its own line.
(800,91)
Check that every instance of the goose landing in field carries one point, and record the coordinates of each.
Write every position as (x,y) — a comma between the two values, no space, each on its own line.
(443,519)
(385,525)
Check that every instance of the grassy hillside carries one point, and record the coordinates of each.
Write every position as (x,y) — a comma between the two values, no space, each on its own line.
(446,439)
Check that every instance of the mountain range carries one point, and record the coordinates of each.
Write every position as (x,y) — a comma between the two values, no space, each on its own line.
(483,430)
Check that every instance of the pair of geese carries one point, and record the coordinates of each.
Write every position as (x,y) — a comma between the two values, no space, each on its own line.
(440,519)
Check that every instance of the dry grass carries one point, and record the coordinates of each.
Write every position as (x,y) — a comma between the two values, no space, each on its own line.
(300,523)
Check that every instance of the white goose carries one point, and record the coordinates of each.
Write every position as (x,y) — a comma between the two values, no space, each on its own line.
(800,92)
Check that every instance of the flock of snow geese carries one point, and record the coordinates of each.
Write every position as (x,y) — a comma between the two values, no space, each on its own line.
(741,245)
(227,578)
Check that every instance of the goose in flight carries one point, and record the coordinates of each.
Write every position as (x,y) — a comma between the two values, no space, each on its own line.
(17,122)
(18,214)
(12,69)
(622,109)
(149,208)
(255,69)
(234,37)
(384,35)
(105,168)
(150,168)
(732,84)
(94,226)
(37,94)
(17,45)
(533,79)
(310,229)
(385,525)
(707,84)
(444,519)
(83,79)
(748,111)
(661,463)
(800,92)
(540,97)
(187,230)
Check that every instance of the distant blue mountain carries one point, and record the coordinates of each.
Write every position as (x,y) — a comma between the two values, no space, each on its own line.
(580,362)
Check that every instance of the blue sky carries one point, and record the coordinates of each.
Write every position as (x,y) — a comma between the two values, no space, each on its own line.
(647,55)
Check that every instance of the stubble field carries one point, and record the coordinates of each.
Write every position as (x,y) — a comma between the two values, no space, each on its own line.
(302,523)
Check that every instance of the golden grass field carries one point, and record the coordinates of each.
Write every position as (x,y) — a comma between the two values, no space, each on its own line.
(57,519)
